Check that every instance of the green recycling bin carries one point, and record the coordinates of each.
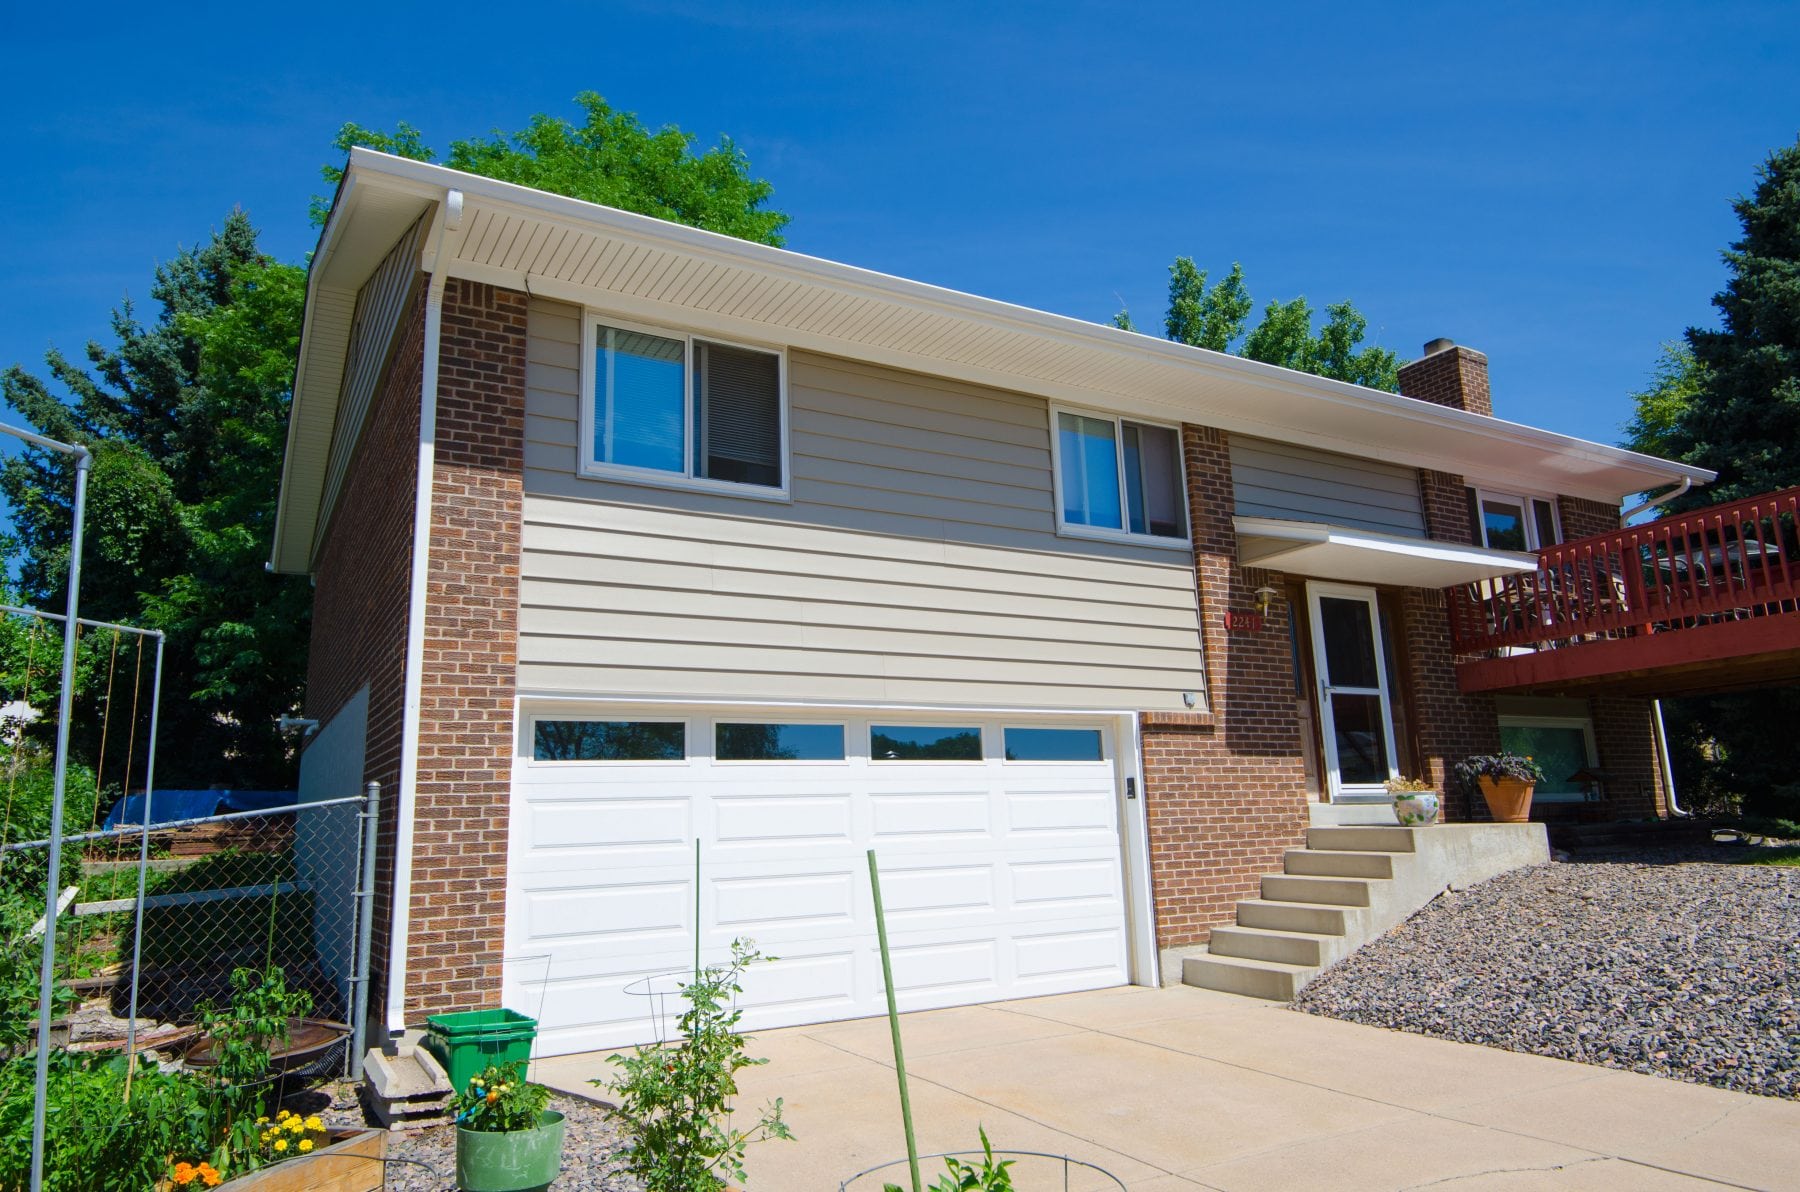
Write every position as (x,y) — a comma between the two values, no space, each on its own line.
(468,1042)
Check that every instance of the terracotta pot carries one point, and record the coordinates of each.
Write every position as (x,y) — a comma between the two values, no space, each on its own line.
(1508,799)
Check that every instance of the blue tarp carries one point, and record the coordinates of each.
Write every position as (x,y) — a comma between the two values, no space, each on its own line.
(169,807)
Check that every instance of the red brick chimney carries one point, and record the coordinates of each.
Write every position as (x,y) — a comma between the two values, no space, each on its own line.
(1449,375)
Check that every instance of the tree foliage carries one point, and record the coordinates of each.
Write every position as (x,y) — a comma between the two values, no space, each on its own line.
(185,416)
(1734,404)
(610,158)
(1729,399)
(1215,317)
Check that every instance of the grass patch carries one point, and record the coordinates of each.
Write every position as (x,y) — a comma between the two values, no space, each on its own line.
(1786,855)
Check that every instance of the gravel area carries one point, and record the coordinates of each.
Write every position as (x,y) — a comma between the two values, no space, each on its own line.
(1674,964)
(593,1146)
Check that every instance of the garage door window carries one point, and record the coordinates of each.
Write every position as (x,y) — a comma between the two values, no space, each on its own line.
(1053,745)
(609,741)
(924,743)
(779,742)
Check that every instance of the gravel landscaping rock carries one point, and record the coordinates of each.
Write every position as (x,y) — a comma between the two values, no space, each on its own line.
(1675,964)
(593,1146)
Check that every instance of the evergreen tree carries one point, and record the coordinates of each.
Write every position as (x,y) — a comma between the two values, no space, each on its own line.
(1730,401)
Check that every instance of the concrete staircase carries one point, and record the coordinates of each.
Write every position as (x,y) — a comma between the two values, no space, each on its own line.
(1347,886)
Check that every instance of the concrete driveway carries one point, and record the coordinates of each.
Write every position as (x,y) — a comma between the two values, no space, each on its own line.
(1180,1089)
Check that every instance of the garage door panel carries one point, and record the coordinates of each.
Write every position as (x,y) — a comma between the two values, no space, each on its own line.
(796,821)
(937,816)
(1094,952)
(999,879)
(609,827)
(758,904)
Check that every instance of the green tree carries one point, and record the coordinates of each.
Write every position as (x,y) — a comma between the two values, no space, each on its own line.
(1215,317)
(185,416)
(1730,400)
(610,158)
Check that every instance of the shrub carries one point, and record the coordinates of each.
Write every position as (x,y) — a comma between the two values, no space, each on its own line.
(95,1140)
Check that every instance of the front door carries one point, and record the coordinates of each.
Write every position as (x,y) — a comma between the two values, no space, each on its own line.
(1354,709)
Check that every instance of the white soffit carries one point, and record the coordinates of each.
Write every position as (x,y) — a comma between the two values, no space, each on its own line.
(637,267)
(1320,551)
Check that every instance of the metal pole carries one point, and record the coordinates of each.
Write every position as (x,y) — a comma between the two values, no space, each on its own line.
(696,910)
(137,932)
(887,979)
(46,974)
(365,928)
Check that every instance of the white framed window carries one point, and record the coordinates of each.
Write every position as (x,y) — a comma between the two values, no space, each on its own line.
(562,739)
(1118,478)
(1509,521)
(755,742)
(1562,746)
(1052,744)
(685,411)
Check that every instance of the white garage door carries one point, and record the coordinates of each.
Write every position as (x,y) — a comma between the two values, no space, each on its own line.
(998,839)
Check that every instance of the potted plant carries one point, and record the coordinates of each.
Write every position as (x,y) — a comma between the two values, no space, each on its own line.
(1416,802)
(1505,780)
(507,1137)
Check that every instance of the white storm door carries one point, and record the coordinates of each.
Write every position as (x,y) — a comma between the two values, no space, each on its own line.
(1355,712)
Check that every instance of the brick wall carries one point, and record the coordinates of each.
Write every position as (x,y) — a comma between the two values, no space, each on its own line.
(362,588)
(1225,792)
(1451,725)
(1582,518)
(1456,377)
(471,655)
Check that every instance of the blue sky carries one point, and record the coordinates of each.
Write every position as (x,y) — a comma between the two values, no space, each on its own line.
(1547,183)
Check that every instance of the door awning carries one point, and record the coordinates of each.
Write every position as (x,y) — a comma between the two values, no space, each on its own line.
(1323,551)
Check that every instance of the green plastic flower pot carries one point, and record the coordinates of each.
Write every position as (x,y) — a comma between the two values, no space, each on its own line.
(515,1161)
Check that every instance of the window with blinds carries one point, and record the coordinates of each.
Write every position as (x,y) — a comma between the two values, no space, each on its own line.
(685,410)
(1119,476)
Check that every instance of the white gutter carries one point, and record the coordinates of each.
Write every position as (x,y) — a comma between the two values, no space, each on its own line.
(1687,482)
(449,214)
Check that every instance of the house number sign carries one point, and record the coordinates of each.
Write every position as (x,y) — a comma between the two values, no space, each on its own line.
(1244,622)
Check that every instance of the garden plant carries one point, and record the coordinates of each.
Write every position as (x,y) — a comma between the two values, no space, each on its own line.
(676,1098)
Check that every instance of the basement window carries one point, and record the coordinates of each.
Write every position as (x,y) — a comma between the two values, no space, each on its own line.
(684,411)
(1117,478)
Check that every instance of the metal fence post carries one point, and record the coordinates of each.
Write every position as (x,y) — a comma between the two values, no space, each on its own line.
(137,928)
(365,928)
(65,712)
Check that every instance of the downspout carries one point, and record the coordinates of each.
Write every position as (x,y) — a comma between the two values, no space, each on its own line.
(1687,482)
(449,215)
(1662,736)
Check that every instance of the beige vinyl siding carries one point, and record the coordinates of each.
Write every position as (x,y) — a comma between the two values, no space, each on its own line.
(379,306)
(1282,480)
(916,562)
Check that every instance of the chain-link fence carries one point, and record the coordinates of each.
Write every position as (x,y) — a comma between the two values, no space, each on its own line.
(151,925)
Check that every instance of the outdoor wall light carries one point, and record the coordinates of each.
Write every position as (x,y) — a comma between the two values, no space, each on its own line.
(1265,596)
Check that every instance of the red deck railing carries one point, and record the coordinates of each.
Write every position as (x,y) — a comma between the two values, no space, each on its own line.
(1727,562)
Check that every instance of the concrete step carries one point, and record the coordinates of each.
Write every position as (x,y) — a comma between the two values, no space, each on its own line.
(1285,947)
(1310,917)
(1251,978)
(1338,864)
(1327,814)
(1361,839)
(1338,891)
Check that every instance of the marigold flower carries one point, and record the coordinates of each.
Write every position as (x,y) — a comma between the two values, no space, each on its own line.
(306,1144)
(262,1121)
(212,1177)
(281,1144)
(315,1123)
(184,1173)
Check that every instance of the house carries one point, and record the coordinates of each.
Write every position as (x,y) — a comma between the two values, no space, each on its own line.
(695,539)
